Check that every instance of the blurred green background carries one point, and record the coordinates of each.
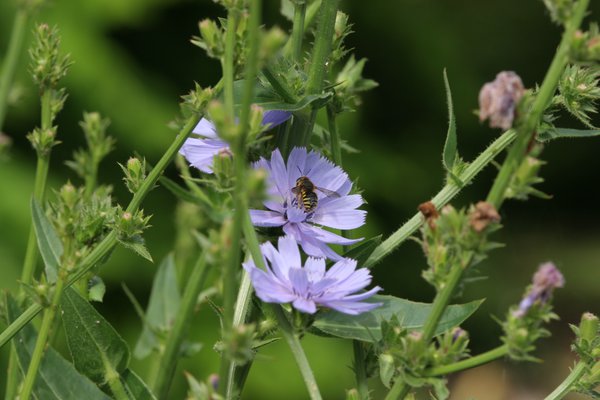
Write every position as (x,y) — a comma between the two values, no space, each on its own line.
(133,60)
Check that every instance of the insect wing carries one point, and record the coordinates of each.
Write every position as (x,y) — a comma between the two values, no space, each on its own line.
(327,192)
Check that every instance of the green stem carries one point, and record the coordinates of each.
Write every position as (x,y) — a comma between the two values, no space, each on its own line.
(360,370)
(398,391)
(298,29)
(334,137)
(567,385)
(447,193)
(177,334)
(318,67)
(114,382)
(298,352)
(230,272)
(279,85)
(42,338)
(90,180)
(227,63)
(107,244)
(442,299)
(470,362)
(527,128)
(15,48)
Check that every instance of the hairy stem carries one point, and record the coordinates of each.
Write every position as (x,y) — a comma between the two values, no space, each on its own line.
(298,30)
(470,362)
(9,66)
(567,385)
(176,336)
(448,192)
(42,338)
(227,63)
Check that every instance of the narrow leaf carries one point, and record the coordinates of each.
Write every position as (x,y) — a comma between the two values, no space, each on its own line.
(559,133)
(450,152)
(57,378)
(137,244)
(136,386)
(361,252)
(269,100)
(412,316)
(162,307)
(94,344)
(48,242)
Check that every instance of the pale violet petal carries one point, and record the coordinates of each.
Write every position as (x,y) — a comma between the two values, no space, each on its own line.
(205,128)
(288,248)
(296,215)
(201,152)
(266,218)
(279,173)
(295,165)
(275,117)
(315,269)
(306,306)
(299,281)
(325,236)
(342,219)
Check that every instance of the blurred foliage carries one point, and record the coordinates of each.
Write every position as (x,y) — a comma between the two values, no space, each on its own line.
(132,61)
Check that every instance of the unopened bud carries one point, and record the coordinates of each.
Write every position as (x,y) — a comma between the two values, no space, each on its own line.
(498,99)
(482,215)
(429,212)
(387,369)
(352,394)
(272,41)
(68,195)
(213,379)
(588,327)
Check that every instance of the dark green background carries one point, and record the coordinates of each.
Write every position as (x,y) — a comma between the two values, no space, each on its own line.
(132,61)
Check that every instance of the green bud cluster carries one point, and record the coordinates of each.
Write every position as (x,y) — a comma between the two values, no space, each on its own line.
(42,140)
(587,347)
(341,30)
(560,10)
(405,355)
(579,92)
(48,66)
(205,390)
(135,173)
(99,144)
(349,83)
(129,228)
(238,344)
(586,45)
(457,237)
(196,101)
(522,182)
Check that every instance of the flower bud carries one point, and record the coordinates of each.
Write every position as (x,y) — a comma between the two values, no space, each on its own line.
(386,369)
(69,195)
(271,42)
(352,394)
(498,99)
(588,327)
(213,379)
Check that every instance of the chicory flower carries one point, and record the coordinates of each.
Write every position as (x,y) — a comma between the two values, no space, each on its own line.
(334,206)
(201,152)
(286,280)
(546,279)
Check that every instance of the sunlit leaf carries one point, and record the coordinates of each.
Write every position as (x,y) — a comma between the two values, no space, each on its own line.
(410,314)
(162,307)
(94,344)
(48,241)
(57,378)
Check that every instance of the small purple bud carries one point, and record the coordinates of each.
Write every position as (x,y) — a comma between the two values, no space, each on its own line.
(546,279)
(214,381)
(458,333)
(498,99)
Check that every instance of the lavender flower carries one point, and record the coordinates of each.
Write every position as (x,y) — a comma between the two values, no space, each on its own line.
(546,279)
(309,286)
(285,209)
(498,99)
(201,152)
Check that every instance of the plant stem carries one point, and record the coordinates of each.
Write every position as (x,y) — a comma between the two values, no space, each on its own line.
(227,63)
(448,192)
(114,381)
(470,362)
(15,48)
(360,371)
(42,338)
(298,30)
(279,85)
(175,338)
(334,137)
(527,128)
(294,343)
(107,244)
(566,386)
(317,69)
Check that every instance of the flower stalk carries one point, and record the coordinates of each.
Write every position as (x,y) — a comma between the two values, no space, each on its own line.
(298,29)
(11,60)
(470,362)
(567,385)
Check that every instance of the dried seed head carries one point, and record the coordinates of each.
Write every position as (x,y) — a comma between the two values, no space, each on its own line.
(429,212)
(498,99)
(482,214)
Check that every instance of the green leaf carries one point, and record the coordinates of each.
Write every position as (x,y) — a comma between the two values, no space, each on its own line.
(162,307)
(559,133)
(450,153)
(412,316)
(95,346)
(136,244)
(57,378)
(269,100)
(361,252)
(136,386)
(48,242)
